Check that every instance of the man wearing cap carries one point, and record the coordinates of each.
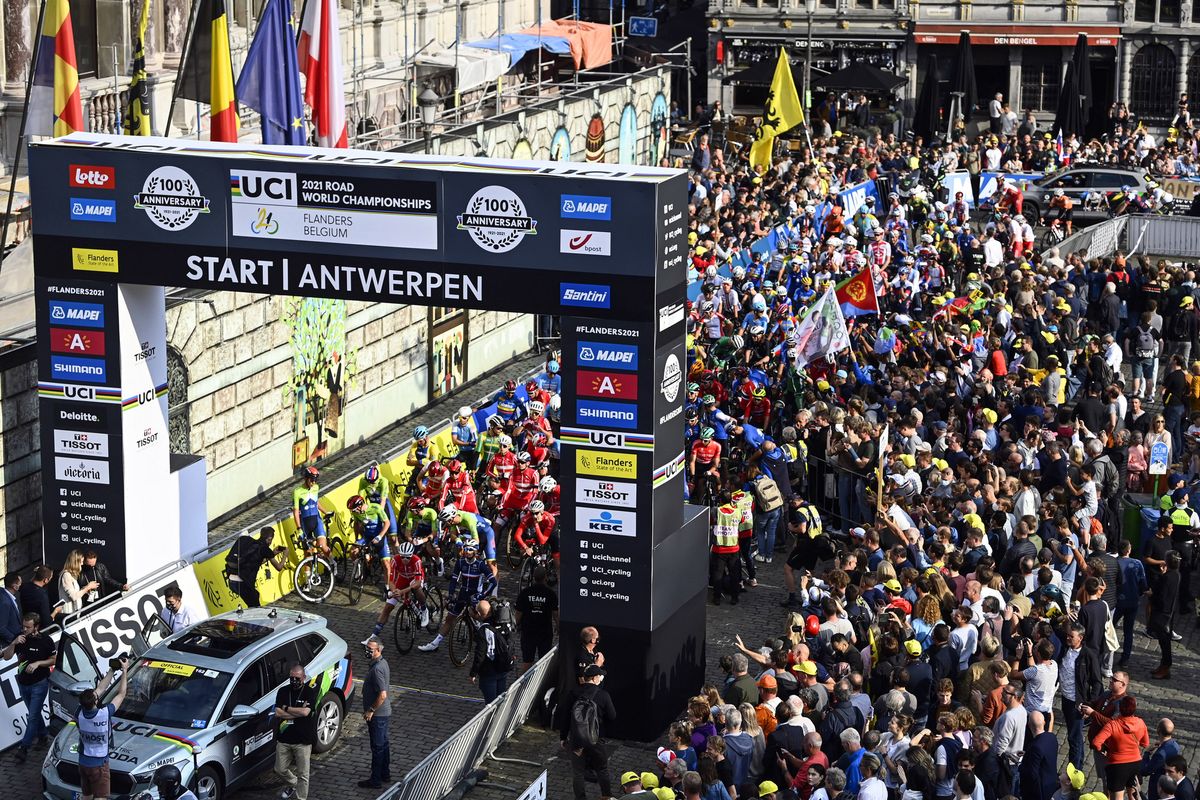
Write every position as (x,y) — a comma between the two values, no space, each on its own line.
(587,756)
(634,789)
(768,692)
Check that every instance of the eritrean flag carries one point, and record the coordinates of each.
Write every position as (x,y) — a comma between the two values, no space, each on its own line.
(856,295)
(206,74)
(54,105)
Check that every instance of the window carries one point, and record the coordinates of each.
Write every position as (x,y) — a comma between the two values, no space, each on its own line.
(1040,83)
(1164,11)
(1168,11)
(248,690)
(1073,180)
(279,664)
(83,22)
(309,646)
(1152,74)
(1144,10)
(1193,78)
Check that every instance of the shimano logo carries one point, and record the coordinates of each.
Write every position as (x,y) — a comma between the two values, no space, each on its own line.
(606,413)
(585,295)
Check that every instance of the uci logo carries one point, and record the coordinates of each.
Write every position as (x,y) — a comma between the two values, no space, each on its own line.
(263,188)
(79,392)
(605,438)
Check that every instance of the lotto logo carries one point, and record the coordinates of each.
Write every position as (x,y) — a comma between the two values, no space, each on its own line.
(87,176)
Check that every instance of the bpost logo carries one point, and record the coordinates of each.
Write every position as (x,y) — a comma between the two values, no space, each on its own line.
(610,415)
(88,259)
(80,443)
(76,342)
(613,523)
(87,315)
(611,386)
(89,370)
(606,465)
(262,188)
(606,355)
(615,492)
(85,209)
(585,243)
(86,176)
(585,295)
(583,206)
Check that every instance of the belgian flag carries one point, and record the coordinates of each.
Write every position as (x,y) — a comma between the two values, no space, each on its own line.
(206,74)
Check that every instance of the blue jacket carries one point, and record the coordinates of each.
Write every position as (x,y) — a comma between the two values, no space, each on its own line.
(1133,582)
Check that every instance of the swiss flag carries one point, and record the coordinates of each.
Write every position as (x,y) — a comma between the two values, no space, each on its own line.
(321,62)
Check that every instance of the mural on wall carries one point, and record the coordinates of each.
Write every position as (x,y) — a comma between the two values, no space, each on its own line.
(627,152)
(523,149)
(447,363)
(560,145)
(660,130)
(595,139)
(323,369)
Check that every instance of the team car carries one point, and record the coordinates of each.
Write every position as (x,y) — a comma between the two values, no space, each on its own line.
(201,699)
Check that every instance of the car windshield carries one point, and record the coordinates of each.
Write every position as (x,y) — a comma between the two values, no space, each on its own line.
(172,695)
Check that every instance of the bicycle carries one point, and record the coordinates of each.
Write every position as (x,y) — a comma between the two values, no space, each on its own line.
(541,557)
(408,617)
(315,575)
(360,566)
(462,637)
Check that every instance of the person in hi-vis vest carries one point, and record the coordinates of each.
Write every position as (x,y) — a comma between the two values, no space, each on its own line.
(95,734)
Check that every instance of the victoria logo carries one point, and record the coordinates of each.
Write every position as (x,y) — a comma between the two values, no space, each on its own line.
(92,177)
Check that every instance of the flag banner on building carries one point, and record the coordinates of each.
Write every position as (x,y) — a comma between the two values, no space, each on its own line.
(822,331)
(137,113)
(856,295)
(54,105)
(206,76)
(781,113)
(321,62)
(270,79)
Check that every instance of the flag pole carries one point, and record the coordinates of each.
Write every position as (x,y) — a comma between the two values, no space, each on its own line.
(183,61)
(12,181)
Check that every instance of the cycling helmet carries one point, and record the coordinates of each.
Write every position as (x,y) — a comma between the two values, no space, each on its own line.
(793,338)
(537,407)
(806,281)
(1058,192)
(737,341)
(759,304)
(1151,183)
(760,392)
(495,421)
(552,367)
(768,284)
(739,273)
(437,468)
(372,474)
(536,506)
(812,625)
(523,457)
(865,208)
(506,441)
(455,466)
(531,386)
(510,385)
(312,472)
(693,387)
(927,238)
(417,503)
(691,415)
(706,307)
(757,330)
(421,432)
(405,550)
(448,513)
(356,503)
(708,400)
(169,782)
(468,543)
(547,484)
(555,403)
(1126,189)
(707,433)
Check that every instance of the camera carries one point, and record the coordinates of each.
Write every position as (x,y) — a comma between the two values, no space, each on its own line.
(118,661)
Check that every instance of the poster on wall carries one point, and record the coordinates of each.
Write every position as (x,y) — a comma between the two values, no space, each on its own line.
(627,152)
(322,369)
(660,119)
(560,145)
(523,150)
(595,139)
(447,354)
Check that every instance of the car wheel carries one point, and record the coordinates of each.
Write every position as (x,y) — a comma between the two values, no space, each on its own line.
(1031,211)
(329,722)
(207,783)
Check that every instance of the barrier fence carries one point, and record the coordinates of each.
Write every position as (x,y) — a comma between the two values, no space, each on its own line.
(447,766)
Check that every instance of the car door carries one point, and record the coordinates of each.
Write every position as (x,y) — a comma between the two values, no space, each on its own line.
(153,632)
(244,736)
(75,669)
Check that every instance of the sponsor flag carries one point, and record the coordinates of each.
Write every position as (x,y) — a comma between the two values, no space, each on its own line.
(206,76)
(781,113)
(270,79)
(856,295)
(956,305)
(54,105)
(137,115)
(321,62)
(822,331)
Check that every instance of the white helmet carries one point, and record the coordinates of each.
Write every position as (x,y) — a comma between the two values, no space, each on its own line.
(1058,192)
(547,484)
(537,407)
(448,513)
(536,506)
(506,441)
(465,411)
(555,403)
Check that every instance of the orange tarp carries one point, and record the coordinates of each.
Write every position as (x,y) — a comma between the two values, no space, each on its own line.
(591,42)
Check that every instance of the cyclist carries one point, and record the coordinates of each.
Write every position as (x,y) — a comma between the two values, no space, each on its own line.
(489,445)
(465,523)
(371,524)
(548,493)
(424,528)
(536,394)
(705,458)
(306,509)
(457,489)
(422,452)
(433,483)
(1062,206)
(537,421)
(1008,197)
(510,407)
(541,526)
(757,407)
(465,438)
(405,575)
(550,380)
(501,465)
(375,488)
(537,445)
(522,486)
(471,582)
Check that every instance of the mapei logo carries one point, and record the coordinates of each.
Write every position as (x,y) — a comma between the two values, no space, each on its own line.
(585,243)
(606,354)
(262,188)
(87,176)
(87,315)
(85,209)
(613,523)
(607,385)
(583,206)
(585,295)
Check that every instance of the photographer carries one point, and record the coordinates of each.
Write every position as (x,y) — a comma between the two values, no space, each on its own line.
(95,732)
(246,558)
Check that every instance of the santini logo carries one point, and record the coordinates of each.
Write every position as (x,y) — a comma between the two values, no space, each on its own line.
(585,295)
(585,243)
(582,206)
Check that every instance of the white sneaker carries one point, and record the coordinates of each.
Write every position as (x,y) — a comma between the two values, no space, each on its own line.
(424,617)
(367,640)
(429,648)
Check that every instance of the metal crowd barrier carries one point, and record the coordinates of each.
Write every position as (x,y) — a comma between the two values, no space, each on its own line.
(447,766)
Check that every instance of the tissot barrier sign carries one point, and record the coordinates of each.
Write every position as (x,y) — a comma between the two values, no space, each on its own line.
(117,219)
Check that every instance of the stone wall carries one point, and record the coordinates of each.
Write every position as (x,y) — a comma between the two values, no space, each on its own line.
(20,475)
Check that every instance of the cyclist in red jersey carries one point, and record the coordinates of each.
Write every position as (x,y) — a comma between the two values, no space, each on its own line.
(434,481)
(537,445)
(457,490)
(538,524)
(756,409)
(536,394)
(405,574)
(548,492)
(537,421)
(705,456)
(522,487)
(501,466)
(1008,197)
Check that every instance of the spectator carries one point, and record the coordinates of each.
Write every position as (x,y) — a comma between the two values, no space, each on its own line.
(10,609)
(70,591)
(377,711)
(34,597)
(35,654)
(493,654)
(294,707)
(177,616)
(585,746)
(1122,740)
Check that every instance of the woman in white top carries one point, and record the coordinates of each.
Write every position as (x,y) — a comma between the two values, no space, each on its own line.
(893,745)
(69,590)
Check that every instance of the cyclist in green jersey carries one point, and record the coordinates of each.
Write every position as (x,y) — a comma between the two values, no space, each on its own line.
(489,445)
(306,509)
(371,524)
(421,522)
(374,488)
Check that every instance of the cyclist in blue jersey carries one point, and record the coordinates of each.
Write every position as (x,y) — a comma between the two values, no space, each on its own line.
(306,510)
(471,582)
(550,380)
(509,407)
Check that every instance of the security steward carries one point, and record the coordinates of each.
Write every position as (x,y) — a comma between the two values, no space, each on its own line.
(810,545)
(169,782)
(1186,524)
(724,566)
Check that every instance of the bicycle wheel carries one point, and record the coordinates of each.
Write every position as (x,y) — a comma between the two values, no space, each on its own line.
(461,642)
(526,576)
(436,605)
(355,577)
(313,578)
(404,630)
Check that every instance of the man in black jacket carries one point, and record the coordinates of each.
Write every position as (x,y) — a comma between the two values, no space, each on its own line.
(93,570)
(587,757)
(988,768)
(34,597)
(1080,679)
(493,655)
(1163,605)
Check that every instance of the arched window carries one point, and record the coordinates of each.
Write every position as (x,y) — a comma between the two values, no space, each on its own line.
(179,422)
(1193,80)
(1153,79)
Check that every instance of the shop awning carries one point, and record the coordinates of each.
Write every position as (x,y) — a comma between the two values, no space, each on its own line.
(472,67)
(591,42)
(516,45)
(1028,35)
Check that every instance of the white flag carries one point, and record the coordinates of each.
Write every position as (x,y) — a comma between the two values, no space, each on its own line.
(822,331)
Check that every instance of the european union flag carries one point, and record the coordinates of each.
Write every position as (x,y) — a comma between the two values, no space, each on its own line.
(270,79)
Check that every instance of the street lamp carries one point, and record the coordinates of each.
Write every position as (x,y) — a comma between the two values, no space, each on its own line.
(810,6)
(428,101)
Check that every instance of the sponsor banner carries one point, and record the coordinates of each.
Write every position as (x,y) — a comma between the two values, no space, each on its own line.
(81,470)
(77,341)
(90,209)
(585,243)
(90,259)
(668,471)
(86,315)
(621,493)
(13,714)
(497,219)
(621,441)
(74,442)
(581,206)
(606,355)
(71,391)
(613,415)
(606,464)
(92,177)
(585,295)
(89,370)
(611,386)
(606,521)
(327,226)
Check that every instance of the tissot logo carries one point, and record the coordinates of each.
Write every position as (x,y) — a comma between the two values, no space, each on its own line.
(606,492)
(92,177)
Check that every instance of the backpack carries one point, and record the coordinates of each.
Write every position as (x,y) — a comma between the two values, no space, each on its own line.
(502,617)
(233,559)
(767,493)
(1180,330)
(585,722)
(1145,340)
(503,658)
